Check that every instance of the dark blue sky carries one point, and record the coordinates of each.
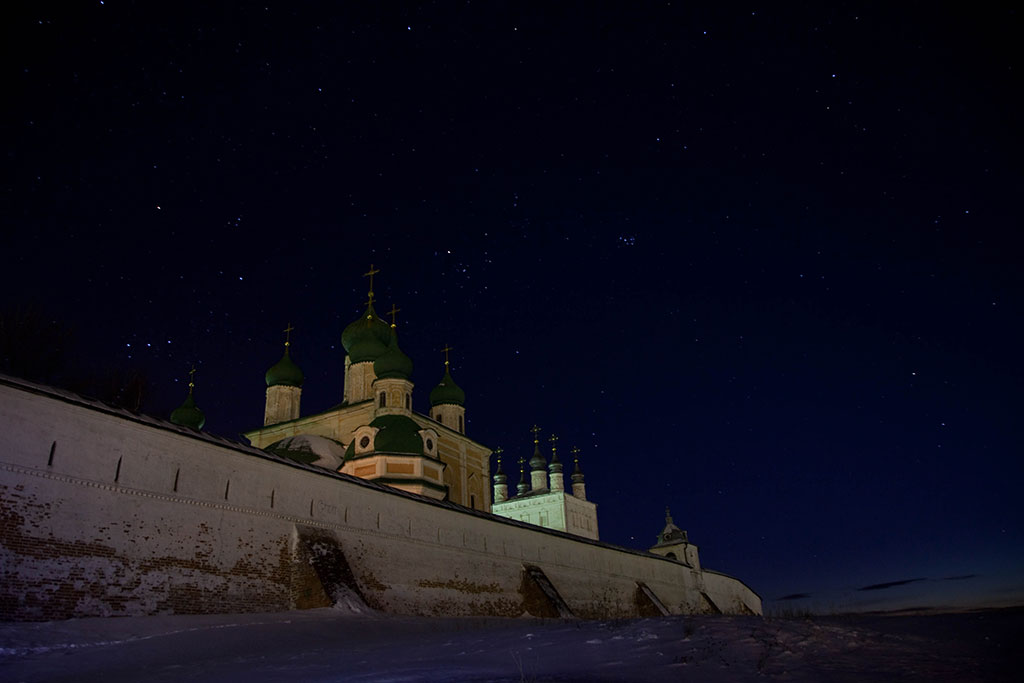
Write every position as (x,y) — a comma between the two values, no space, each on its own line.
(761,266)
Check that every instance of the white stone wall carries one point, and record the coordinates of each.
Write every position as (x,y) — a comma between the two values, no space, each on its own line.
(546,510)
(581,517)
(133,516)
(553,511)
(729,595)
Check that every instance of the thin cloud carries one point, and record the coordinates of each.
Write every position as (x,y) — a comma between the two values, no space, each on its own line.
(961,577)
(794,596)
(889,584)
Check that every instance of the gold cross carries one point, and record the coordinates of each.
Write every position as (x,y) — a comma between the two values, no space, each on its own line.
(575,454)
(554,442)
(370,273)
(393,313)
(288,335)
(191,378)
(446,349)
(522,461)
(498,451)
(536,430)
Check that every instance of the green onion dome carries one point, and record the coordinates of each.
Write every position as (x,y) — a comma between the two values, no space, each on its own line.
(447,391)
(537,462)
(555,466)
(499,476)
(397,434)
(393,363)
(285,372)
(577,473)
(366,338)
(188,414)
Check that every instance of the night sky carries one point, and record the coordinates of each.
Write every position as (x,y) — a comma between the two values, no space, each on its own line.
(760,265)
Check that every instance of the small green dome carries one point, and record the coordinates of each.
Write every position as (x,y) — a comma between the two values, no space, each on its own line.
(188,414)
(285,372)
(537,462)
(366,338)
(397,434)
(577,473)
(393,363)
(447,391)
(555,466)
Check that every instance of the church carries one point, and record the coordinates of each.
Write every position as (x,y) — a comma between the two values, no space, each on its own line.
(375,434)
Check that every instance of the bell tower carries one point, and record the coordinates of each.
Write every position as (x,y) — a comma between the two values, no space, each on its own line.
(284,386)
(448,400)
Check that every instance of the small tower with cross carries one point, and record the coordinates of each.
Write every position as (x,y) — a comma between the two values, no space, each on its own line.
(674,544)
(579,484)
(555,467)
(448,400)
(538,464)
(392,388)
(284,386)
(500,479)
(188,413)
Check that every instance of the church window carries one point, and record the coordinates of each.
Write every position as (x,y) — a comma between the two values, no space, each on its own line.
(472,501)
(462,426)
(408,401)
(438,418)
(383,400)
(364,442)
(672,555)
(430,445)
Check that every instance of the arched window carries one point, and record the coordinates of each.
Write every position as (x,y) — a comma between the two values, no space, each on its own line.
(472,501)
(408,401)
(438,418)
(383,400)
(462,425)
(672,555)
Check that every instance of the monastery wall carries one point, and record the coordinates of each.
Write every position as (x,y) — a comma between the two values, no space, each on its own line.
(106,513)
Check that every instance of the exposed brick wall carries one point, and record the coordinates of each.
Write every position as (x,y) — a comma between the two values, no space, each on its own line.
(57,562)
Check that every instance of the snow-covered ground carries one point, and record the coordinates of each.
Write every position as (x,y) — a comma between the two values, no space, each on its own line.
(353,644)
